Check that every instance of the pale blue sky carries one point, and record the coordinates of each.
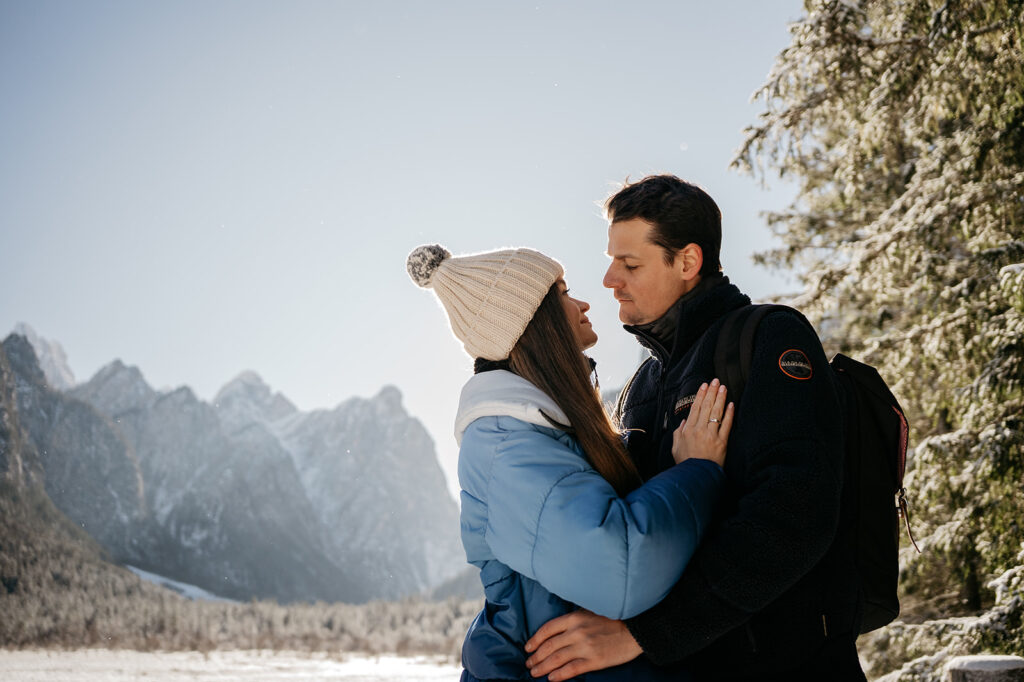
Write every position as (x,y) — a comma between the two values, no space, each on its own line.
(201,188)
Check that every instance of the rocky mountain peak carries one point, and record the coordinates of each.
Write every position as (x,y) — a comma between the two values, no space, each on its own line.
(247,399)
(389,400)
(118,388)
(53,361)
(248,495)
(248,381)
(23,359)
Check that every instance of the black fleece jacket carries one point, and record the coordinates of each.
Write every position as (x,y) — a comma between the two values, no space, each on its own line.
(753,599)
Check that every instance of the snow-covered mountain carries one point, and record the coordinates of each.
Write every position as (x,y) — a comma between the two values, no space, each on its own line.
(85,465)
(226,513)
(369,459)
(246,399)
(366,459)
(245,496)
(51,356)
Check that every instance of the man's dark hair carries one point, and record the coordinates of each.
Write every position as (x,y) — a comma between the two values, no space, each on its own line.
(680,212)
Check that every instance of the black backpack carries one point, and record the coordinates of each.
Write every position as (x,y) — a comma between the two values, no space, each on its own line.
(875,433)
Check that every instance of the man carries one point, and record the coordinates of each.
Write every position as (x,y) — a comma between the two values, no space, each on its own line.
(768,595)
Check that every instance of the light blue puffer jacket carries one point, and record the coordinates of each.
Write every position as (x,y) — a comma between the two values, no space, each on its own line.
(549,533)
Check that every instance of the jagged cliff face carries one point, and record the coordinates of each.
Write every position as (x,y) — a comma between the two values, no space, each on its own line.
(227,513)
(245,496)
(50,355)
(11,441)
(88,470)
(368,459)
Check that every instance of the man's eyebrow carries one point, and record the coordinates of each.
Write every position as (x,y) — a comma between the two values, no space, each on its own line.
(622,256)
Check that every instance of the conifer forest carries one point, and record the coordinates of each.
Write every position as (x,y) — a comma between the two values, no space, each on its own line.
(902,124)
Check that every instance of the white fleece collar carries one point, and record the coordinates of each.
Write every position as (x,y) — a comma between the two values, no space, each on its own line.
(502,393)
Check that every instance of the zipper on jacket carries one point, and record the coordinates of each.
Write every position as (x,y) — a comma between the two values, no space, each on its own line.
(661,408)
(624,394)
(662,356)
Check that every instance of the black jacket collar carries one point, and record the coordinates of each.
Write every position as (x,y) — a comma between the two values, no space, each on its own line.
(678,329)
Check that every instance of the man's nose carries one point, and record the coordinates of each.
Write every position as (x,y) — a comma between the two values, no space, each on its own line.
(611,280)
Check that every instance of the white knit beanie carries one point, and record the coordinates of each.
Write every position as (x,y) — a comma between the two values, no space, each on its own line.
(489,297)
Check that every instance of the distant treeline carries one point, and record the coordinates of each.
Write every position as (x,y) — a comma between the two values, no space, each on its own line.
(56,590)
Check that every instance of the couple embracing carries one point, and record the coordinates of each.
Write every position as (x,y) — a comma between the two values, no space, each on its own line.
(691,538)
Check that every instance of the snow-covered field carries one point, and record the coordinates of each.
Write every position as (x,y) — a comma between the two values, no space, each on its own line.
(94,665)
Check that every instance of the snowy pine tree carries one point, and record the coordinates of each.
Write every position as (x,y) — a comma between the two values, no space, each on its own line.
(902,121)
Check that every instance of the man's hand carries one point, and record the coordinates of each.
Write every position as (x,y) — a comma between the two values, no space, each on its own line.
(578,643)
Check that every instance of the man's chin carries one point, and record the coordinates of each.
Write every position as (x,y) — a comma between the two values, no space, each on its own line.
(626,312)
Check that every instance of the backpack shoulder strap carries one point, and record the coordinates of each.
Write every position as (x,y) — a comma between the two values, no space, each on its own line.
(735,346)
(727,349)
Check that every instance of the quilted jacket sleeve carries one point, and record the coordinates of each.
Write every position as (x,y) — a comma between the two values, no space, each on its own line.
(554,519)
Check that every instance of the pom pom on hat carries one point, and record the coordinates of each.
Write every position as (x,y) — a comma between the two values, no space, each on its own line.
(490,297)
(423,262)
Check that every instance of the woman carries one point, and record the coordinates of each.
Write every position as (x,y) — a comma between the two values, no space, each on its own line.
(553,511)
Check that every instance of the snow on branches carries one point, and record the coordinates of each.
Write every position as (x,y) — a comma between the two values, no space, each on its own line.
(903,124)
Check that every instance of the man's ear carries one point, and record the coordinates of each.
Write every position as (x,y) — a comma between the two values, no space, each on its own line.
(689,261)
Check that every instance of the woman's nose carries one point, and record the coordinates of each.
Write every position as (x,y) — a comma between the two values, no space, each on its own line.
(584,306)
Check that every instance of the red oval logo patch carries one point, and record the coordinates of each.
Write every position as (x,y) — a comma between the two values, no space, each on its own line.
(794,364)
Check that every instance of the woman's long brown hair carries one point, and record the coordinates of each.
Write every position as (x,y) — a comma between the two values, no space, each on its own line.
(548,355)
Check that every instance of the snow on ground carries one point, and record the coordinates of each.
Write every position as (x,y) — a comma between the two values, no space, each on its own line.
(184,589)
(96,665)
